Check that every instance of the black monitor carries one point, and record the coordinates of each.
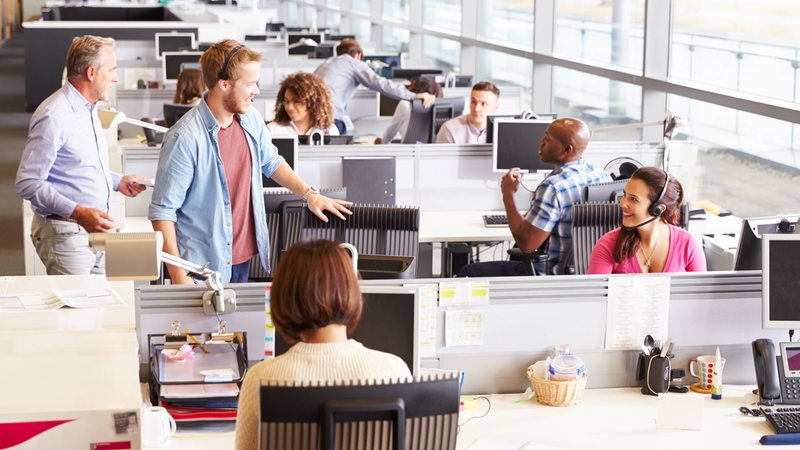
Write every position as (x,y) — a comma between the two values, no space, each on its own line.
(174,62)
(287,147)
(174,42)
(338,37)
(424,124)
(389,323)
(610,191)
(293,38)
(780,281)
(345,139)
(323,51)
(408,74)
(173,112)
(275,27)
(516,144)
(748,252)
(490,124)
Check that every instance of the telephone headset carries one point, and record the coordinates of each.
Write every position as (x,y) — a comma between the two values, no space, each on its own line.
(223,74)
(655,208)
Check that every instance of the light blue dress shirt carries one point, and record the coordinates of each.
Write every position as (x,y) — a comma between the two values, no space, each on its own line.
(191,189)
(344,74)
(65,161)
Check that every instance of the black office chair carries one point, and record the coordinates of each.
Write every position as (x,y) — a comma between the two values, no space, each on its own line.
(386,236)
(530,260)
(410,415)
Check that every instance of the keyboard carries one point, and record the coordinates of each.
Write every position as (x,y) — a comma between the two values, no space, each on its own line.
(784,419)
(495,220)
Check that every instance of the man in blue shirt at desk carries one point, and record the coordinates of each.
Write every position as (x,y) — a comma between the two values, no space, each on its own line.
(208,199)
(345,72)
(64,168)
(550,213)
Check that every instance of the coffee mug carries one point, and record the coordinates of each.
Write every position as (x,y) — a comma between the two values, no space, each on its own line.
(702,367)
(157,426)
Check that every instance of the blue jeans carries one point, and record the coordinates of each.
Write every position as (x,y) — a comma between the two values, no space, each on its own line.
(240,273)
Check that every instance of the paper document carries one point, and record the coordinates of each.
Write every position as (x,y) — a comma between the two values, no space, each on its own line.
(637,306)
(89,299)
(204,390)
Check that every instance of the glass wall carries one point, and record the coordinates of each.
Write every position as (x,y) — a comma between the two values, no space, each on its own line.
(507,21)
(396,9)
(505,69)
(395,39)
(608,32)
(444,53)
(442,14)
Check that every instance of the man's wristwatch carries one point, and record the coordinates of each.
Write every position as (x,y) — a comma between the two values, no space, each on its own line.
(309,192)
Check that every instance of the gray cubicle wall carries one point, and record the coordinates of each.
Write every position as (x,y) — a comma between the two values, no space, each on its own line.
(524,318)
(528,315)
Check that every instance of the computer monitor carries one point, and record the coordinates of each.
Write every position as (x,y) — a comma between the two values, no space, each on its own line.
(338,37)
(173,112)
(748,251)
(323,51)
(173,63)
(424,124)
(780,281)
(516,144)
(174,42)
(287,147)
(389,323)
(610,191)
(490,124)
(275,27)
(408,74)
(293,38)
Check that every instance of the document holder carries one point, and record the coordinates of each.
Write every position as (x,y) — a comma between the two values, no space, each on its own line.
(215,358)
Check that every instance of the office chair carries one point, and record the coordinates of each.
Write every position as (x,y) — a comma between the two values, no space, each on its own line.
(531,260)
(424,124)
(590,221)
(387,238)
(403,415)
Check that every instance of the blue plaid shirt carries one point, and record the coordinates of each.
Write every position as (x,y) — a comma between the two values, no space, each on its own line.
(551,204)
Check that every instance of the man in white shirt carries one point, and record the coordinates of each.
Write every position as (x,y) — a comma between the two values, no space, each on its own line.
(471,128)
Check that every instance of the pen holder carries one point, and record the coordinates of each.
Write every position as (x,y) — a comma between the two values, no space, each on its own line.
(656,373)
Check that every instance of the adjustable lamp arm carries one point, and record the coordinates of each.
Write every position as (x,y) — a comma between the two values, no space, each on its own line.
(112,118)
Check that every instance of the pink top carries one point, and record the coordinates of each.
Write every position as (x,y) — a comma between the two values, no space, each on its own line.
(685,254)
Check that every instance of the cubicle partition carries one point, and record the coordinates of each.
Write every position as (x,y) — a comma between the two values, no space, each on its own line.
(521,319)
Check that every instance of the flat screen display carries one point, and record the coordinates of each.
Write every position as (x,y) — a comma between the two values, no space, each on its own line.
(780,281)
(174,42)
(516,144)
(389,323)
(173,62)
(287,147)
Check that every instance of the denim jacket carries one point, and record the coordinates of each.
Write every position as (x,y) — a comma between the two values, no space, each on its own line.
(191,189)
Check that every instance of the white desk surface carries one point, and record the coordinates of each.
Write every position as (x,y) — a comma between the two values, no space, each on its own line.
(604,418)
(609,418)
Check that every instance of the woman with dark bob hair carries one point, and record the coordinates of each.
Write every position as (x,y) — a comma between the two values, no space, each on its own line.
(304,106)
(649,239)
(316,302)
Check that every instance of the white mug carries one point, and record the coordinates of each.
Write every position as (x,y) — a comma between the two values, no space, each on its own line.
(157,426)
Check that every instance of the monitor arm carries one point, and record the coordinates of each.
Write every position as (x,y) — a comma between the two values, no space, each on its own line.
(218,300)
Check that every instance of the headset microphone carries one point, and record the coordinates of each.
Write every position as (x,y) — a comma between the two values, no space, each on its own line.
(655,209)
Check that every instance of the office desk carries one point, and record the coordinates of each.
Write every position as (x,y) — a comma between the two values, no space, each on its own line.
(608,418)
(605,418)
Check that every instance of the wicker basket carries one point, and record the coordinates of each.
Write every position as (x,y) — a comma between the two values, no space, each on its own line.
(558,393)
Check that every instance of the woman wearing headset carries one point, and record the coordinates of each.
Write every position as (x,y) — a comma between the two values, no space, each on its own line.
(649,239)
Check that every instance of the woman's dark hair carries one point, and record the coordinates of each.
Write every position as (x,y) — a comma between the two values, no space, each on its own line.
(654,178)
(315,285)
(428,85)
(190,86)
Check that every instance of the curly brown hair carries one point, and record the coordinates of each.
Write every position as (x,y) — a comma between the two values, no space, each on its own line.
(313,90)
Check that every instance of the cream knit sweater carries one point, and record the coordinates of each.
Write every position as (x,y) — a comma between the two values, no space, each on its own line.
(339,361)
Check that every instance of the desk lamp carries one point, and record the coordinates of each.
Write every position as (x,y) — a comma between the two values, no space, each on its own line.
(669,124)
(109,119)
(137,256)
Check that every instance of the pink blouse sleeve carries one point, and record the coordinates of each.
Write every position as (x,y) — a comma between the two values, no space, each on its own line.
(602,258)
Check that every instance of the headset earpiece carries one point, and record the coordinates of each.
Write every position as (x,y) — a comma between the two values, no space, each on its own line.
(656,209)
(223,73)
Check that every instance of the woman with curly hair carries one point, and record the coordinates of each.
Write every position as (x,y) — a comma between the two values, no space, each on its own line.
(303,106)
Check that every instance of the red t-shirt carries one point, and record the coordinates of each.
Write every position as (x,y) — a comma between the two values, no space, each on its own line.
(235,154)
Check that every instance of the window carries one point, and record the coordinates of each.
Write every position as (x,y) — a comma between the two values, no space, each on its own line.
(395,39)
(598,101)
(504,69)
(598,31)
(442,14)
(395,9)
(506,21)
(445,53)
